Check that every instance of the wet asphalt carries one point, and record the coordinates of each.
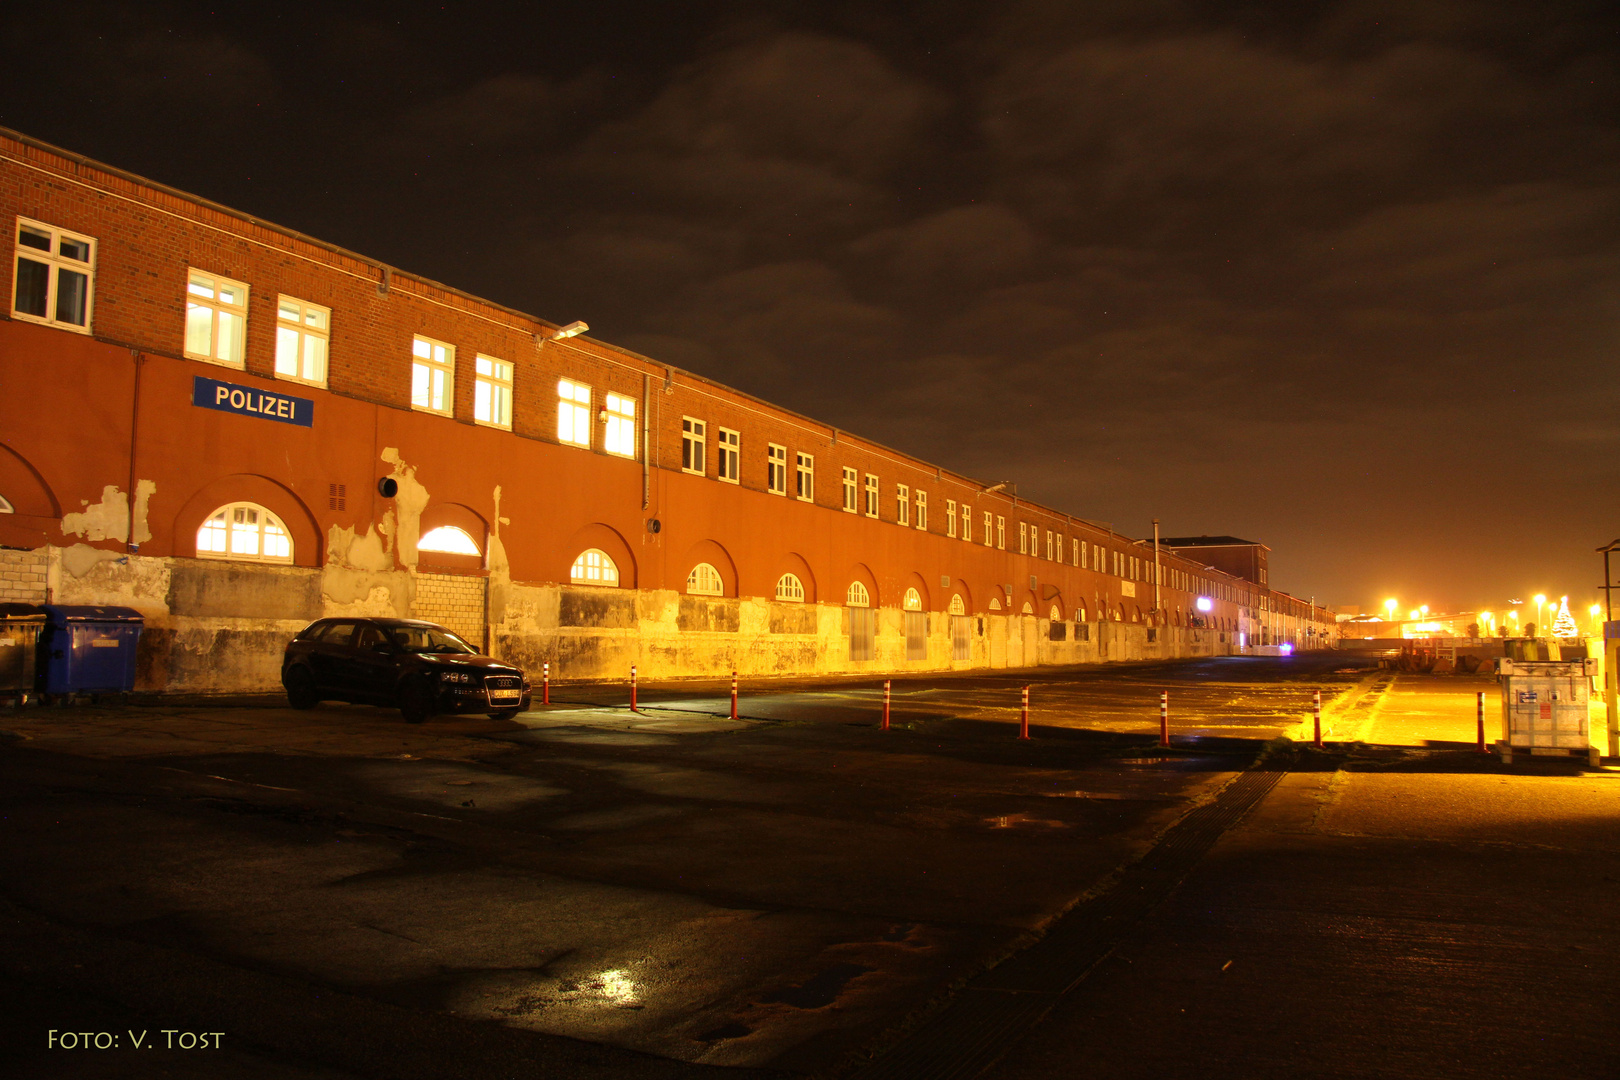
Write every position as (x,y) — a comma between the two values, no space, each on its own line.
(589,891)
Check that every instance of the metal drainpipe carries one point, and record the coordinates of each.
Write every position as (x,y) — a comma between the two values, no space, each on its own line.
(646,409)
(1157,612)
(134,419)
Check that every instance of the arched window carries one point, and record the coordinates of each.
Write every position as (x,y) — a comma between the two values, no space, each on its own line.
(857,596)
(1055,615)
(956,606)
(244,531)
(450,540)
(5,507)
(594,567)
(912,601)
(995,603)
(790,588)
(1080,613)
(705,580)
(1029,609)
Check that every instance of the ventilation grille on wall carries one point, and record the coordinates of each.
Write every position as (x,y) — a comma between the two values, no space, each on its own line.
(338,496)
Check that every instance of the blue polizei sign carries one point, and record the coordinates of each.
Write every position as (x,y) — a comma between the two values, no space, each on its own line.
(246,401)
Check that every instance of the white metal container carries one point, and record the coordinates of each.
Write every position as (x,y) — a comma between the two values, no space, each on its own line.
(1544,704)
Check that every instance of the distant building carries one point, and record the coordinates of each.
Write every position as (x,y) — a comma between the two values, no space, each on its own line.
(1246,559)
(237,429)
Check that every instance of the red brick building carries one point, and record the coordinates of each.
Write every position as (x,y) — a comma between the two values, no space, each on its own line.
(236,428)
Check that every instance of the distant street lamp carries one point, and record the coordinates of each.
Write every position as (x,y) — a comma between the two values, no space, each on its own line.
(1389,606)
(1540,600)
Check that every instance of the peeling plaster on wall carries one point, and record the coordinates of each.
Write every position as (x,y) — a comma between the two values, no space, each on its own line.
(106,520)
(106,578)
(409,502)
(80,559)
(342,586)
(367,552)
(144,490)
(377,602)
(500,570)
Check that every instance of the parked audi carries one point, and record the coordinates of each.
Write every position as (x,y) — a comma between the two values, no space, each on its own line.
(419,667)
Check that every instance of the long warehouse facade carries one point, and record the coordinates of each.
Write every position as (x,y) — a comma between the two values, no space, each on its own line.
(235,429)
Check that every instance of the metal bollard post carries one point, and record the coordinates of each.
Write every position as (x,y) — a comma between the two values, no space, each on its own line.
(545,683)
(1480,709)
(632,688)
(1316,712)
(734,695)
(1164,718)
(886,683)
(1023,716)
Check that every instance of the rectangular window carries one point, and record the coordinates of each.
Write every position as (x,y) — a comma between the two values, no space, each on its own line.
(776,469)
(432,375)
(871,496)
(620,436)
(492,392)
(301,334)
(694,438)
(850,496)
(967,523)
(216,318)
(55,276)
(950,518)
(987,534)
(1059,547)
(1023,539)
(922,510)
(1048,545)
(916,635)
(1001,533)
(573,413)
(1079,552)
(804,477)
(903,509)
(728,451)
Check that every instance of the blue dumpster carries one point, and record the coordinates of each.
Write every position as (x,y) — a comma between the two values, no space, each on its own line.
(89,650)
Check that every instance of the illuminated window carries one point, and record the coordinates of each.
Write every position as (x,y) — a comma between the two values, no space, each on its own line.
(956,607)
(1055,615)
(573,413)
(922,510)
(620,436)
(55,276)
(216,318)
(6,507)
(301,336)
(995,603)
(912,601)
(950,518)
(857,596)
(790,588)
(694,440)
(1028,608)
(902,494)
(871,496)
(851,482)
(705,580)
(244,531)
(804,477)
(728,451)
(492,392)
(433,373)
(450,540)
(594,567)
(776,469)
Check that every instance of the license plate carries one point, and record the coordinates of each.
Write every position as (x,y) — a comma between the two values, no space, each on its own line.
(506,695)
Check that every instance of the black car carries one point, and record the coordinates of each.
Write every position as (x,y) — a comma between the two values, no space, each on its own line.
(420,667)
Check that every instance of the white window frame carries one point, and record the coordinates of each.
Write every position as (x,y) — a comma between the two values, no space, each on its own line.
(573,413)
(1023,538)
(989,537)
(224,534)
(873,496)
(1048,544)
(619,424)
(492,392)
(776,469)
(967,523)
(303,342)
(728,456)
(804,477)
(434,370)
(902,494)
(55,262)
(922,510)
(704,579)
(601,570)
(1061,556)
(220,312)
(851,494)
(1001,533)
(694,446)
(857,596)
(789,589)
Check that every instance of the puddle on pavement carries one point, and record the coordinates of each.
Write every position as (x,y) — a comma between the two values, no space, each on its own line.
(820,990)
(1023,821)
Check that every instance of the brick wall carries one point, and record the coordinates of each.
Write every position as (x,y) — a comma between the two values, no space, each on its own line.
(452,600)
(22,576)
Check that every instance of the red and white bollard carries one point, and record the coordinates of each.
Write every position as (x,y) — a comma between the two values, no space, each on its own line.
(1316,713)
(1023,716)
(632,688)
(886,685)
(734,695)
(545,683)
(1164,718)
(1480,703)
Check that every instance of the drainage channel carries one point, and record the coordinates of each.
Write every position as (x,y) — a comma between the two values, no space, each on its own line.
(997,1008)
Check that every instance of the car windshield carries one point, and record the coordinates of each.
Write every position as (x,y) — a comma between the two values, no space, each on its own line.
(428,639)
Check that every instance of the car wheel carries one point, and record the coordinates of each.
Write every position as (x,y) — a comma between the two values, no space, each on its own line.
(504,714)
(416,701)
(301,692)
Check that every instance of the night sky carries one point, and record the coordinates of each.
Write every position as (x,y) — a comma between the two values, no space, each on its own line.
(1344,278)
